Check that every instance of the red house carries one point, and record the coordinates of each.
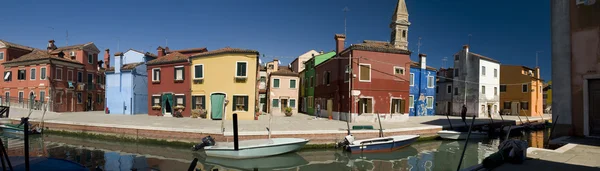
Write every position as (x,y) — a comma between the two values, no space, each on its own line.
(380,75)
(69,79)
(168,88)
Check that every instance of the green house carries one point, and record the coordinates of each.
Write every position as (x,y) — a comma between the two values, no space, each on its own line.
(308,76)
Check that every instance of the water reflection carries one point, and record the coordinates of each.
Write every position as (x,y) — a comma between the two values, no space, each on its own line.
(104,155)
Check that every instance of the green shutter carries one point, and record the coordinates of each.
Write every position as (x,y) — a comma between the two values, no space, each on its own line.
(194,102)
(184,104)
(246,103)
(293,103)
(203,98)
(402,105)
(275,103)
(276,83)
(233,105)
(183,73)
(292,83)
(174,73)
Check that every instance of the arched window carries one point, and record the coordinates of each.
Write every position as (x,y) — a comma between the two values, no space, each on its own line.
(403,33)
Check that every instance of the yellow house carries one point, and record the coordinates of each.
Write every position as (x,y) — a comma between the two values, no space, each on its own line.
(548,97)
(521,91)
(224,82)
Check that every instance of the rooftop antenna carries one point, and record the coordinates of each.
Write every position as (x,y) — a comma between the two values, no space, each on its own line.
(536,57)
(345,12)
(67,42)
(419,46)
(444,62)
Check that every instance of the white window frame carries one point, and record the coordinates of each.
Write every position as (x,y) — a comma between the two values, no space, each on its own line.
(34,75)
(483,70)
(411,103)
(198,78)
(1,56)
(392,102)
(370,73)
(159,98)
(526,90)
(45,74)
(401,68)
(58,73)
(274,82)
(153,72)
(432,81)
(482,89)
(90,58)
(182,74)
(236,69)
(412,77)
(71,71)
(241,95)
(449,86)
(432,101)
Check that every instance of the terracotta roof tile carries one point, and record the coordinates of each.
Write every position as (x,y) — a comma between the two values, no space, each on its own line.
(225,50)
(376,46)
(170,58)
(198,50)
(284,71)
(79,46)
(18,46)
(39,54)
(126,67)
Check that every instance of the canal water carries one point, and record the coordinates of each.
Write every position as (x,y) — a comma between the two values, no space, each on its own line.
(115,156)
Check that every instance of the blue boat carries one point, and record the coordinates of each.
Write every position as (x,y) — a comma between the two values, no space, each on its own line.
(46,164)
(376,145)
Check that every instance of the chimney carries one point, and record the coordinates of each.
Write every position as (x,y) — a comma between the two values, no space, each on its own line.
(160,51)
(118,62)
(275,64)
(422,60)
(51,46)
(339,42)
(537,72)
(466,49)
(167,50)
(107,58)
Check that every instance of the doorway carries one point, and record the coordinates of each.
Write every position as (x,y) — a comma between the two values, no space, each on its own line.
(31,99)
(489,110)
(89,102)
(515,108)
(449,108)
(217,106)
(594,110)
(284,104)
(167,100)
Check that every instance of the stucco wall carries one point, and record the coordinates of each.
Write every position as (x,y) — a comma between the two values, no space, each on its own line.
(167,84)
(420,91)
(140,90)
(283,90)
(470,71)
(491,96)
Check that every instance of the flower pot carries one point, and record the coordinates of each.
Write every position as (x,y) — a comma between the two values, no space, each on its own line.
(288,114)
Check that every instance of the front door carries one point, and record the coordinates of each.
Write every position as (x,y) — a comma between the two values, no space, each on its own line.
(217,102)
(515,108)
(284,104)
(489,110)
(167,100)
(594,109)
(89,102)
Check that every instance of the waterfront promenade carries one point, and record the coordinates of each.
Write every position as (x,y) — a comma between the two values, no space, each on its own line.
(320,131)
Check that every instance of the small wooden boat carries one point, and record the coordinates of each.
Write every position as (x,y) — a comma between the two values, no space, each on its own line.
(382,144)
(456,135)
(18,129)
(288,160)
(255,148)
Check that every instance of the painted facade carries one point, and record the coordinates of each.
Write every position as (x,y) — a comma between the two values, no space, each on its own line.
(283,91)
(127,83)
(298,63)
(310,82)
(262,89)
(224,82)
(444,91)
(421,101)
(548,97)
(168,87)
(482,83)
(69,78)
(521,91)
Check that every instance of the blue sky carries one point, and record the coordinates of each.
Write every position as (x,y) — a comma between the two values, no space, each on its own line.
(510,31)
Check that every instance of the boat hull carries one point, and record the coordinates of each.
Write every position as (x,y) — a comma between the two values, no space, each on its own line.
(15,130)
(393,143)
(455,135)
(270,147)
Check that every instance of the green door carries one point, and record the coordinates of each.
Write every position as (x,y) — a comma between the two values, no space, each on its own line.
(167,103)
(216,105)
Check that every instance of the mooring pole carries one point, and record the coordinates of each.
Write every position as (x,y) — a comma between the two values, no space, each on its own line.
(5,156)
(552,130)
(25,122)
(466,143)
(448,117)
(380,128)
(236,144)
(193,164)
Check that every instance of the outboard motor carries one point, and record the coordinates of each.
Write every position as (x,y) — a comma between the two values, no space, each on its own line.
(347,141)
(206,141)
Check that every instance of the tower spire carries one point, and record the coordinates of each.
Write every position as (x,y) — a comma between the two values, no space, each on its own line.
(399,26)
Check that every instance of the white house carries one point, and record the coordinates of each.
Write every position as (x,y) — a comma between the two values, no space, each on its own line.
(482,84)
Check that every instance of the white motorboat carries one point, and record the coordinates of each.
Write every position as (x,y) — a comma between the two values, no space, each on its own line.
(255,148)
(455,135)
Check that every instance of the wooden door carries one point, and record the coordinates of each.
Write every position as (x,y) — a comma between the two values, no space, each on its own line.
(594,109)
(330,107)
(515,108)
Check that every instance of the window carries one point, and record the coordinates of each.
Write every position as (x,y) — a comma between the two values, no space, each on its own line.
(98,99)
(179,71)
(495,73)
(412,79)
(7,76)
(403,33)
(327,78)
(240,103)
(312,81)
(495,91)
(58,74)
(156,74)
(42,73)
(449,89)
(275,103)
(524,88)
(58,97)
(240,70)
(292,83)
(456,72)
(198,102)
(365,105)
(507,105)
(430,81)
(293,103)
(456,57)
(311,101)
(1,55)
(199,71)
(90,58)
(429,102)
(365,72)
(69,75)
(90,78)
(180,100)
(398,70)
(525,105)
(79,98)
(483,70)
(437,91)
(270,66)
(156,100)
(6,97)
(42,96)
(263,79)
(397,106)
(455,90)
(482,89)
(79,76)
(276,83)
(411,101)
(21,74)
(21,97)
(502,88)
(347,75)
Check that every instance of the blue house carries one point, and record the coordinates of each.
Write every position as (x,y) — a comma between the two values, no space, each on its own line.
(127,83)
(421,101)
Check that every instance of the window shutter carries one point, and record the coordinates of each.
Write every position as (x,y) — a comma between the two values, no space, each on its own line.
(402,105)
(174,73)
(203,98)
(182,73)
(233,105)
(360,106)
(370,105)
(246,103)
(194,102)
(184,104)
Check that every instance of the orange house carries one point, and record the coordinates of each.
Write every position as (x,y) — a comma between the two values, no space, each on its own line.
(521,91)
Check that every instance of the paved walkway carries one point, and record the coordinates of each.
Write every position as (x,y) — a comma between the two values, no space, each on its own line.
(296,124)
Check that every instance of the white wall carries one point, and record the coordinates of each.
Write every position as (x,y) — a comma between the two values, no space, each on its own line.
(490,82)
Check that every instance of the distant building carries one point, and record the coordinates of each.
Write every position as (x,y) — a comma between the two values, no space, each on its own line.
(127,83)
(480,90)
(283,91)
(548,97)
(309,81)
(298,63)
(444,91)
(421,101)
(521,91)
(262,88)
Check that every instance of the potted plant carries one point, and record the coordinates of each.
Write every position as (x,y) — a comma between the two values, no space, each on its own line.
(195,113)
(203,113)
(155,107)
(288,111)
